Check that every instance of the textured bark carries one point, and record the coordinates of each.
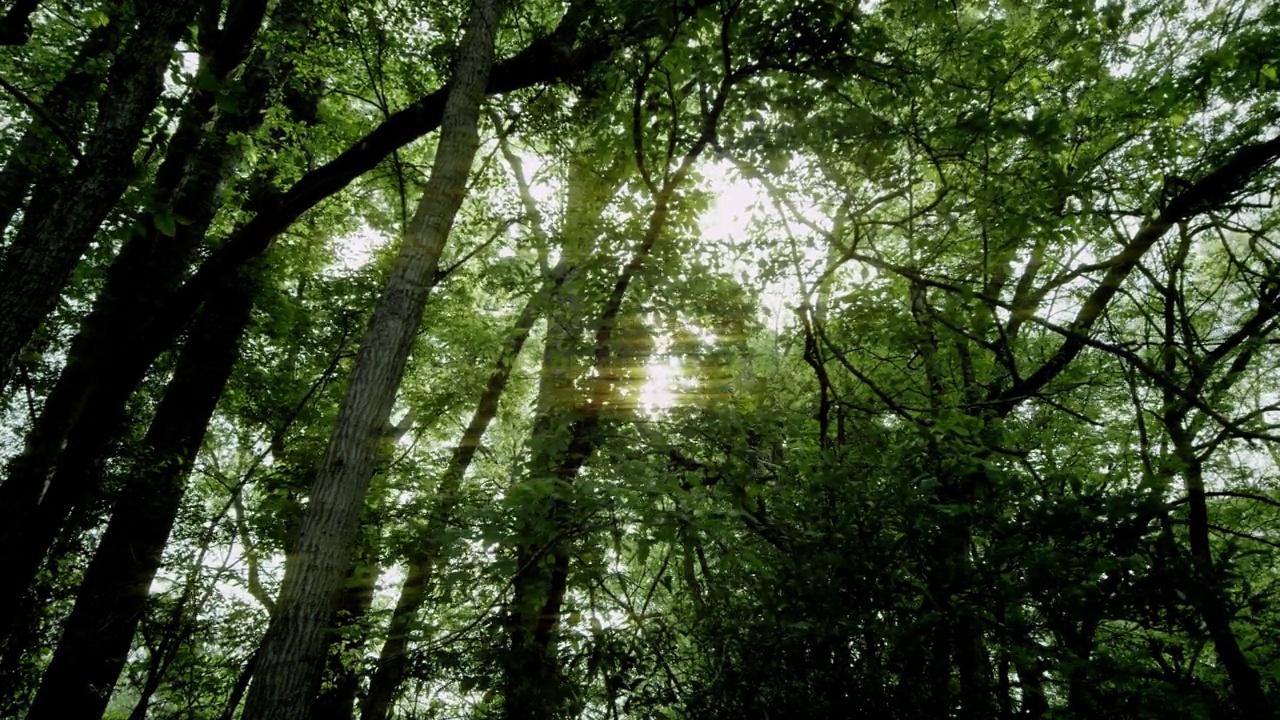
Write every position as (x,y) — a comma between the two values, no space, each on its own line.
(392,659)
(85,408)
(292,655)
(42,151)
(98,634)
(47,247)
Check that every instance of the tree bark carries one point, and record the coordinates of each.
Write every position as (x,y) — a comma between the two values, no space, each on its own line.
(97,636)
(85,409)
(292,655)
(392,659)
(44,150)
(47,247)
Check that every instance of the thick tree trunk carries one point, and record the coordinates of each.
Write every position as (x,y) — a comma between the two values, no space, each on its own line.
(292,657)
(42,152)
(1080,675)
(97,636)
(85,409)
(532,687)
(47,246)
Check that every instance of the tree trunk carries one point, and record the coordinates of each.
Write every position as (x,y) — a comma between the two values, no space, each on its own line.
(566,433)
(534,689)
(292,657)
(392,660)
(43,150)
(531,684)
(238,689)
(45,502)
(47,247)
(1246,683)
(85,409)
(97,636)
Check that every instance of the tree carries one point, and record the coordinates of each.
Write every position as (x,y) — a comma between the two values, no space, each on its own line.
(287,671)
(743,358)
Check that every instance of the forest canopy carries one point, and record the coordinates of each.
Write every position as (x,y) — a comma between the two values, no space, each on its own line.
(612,359)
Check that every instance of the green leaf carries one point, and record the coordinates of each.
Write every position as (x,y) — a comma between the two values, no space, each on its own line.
(166,223)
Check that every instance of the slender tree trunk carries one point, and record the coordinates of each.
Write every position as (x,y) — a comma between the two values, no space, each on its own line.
(567,431)
(237,689)
(392,659)
(588,194)
(47,247)
(1080,675)
(1246,683)
(292,658)
(532,688)
(97,636)
(155,674)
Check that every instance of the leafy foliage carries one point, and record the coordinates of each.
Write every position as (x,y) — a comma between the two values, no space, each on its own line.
(786,359)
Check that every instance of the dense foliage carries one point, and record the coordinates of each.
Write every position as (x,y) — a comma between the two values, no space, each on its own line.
(639,359)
